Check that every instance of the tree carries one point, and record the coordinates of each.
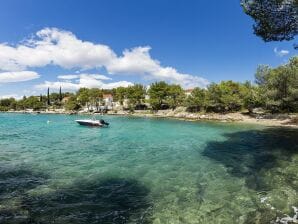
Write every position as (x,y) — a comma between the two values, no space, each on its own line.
(279,87)
(20,104)
(275,20)
(196,100)
(213,100)
(135,95)
(158,93)
(72,104)
(83,96)
(48,97)
(55,99)
(60,94)
(7,104)
(251,96)
(223,97)
(231,95)
(33,102)
(95,97)
(120,94)
(262,74)
(175,96)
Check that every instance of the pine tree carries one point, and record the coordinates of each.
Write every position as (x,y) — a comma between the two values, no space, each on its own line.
(60,94)
(49,102)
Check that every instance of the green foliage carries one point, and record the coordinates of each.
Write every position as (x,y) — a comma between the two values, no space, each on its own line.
(213,100)
(120,94)
(72,104)
(225,96)
(231,95)
(135,95)
(163,95)
(251,96)
(276,90)
(95,96)
(55,99)
(275,20)
(32,102)
(158,93)
(196,100)
(7,104)
(48,97)
(175,96)
(60,94)
(83,96)
(280,87)
(262,74)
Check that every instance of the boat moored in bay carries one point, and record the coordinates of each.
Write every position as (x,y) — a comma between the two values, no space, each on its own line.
(91,122)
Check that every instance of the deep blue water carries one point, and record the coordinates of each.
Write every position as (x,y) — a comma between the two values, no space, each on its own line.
(142,170)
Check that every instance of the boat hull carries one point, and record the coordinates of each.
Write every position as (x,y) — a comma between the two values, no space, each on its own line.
(89,123)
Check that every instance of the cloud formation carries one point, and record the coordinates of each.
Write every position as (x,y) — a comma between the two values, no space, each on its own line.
(74,82)
(10,96)
(7,77)
(76,76)
(281,53)
(52,46)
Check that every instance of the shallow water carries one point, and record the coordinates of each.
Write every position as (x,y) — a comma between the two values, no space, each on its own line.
(142,170)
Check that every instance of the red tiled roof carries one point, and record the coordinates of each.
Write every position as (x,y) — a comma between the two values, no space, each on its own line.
(188,90)
(107,95)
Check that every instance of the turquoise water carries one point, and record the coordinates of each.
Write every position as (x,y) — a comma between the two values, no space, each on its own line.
(142,170)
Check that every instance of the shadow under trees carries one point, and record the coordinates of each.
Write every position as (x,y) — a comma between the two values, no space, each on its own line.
(112,200)
(250,154)
(14,183)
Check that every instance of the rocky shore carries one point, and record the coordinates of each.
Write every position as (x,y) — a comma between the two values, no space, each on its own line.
(287,120)
(282,120)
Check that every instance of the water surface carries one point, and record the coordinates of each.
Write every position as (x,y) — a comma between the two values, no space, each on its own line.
(142,170)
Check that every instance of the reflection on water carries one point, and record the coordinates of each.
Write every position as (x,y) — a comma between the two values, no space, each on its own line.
(144,171)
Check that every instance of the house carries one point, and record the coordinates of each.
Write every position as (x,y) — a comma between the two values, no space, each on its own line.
(108,100)
(188,92)
(65,99)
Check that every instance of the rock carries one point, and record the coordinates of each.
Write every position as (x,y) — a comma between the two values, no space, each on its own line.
(258,110)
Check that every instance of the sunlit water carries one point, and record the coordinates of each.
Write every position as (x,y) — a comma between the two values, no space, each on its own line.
(144,171)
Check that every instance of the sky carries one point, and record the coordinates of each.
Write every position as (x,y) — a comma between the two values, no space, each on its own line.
(111,43)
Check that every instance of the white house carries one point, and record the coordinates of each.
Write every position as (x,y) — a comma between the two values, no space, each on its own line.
(108,100)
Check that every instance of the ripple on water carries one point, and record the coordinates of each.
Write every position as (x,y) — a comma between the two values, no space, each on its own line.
(144,171)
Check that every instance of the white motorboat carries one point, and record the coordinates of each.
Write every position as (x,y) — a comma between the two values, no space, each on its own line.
(89,122)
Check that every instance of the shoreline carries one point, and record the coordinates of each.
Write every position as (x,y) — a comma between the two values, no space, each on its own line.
(221,118)
(279,120)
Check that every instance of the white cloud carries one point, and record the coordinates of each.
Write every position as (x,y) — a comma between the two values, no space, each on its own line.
(281,53)
(83,80)
(68,77)
(139,61)
(116,84)
(7,77)
(10,96)
(96,76)
(64,49)
(57,85)
(57,47)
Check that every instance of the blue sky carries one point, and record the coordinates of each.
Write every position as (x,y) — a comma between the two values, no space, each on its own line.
(82,43)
